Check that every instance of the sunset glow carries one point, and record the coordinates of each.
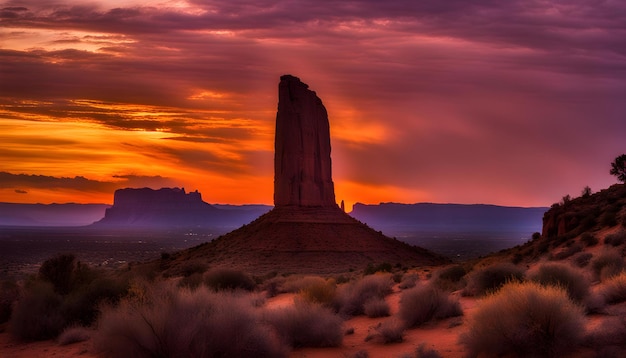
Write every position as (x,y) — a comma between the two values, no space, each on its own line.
(513,103)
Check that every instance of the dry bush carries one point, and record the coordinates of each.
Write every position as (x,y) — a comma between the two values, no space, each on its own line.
(582,259)
(565,276)
(424,303)
(425,352)
(567,252)
(192,281)
(170,322)
(449,278)
(615,239)
(83,303)
(524,320)
(73,334)
(37,314)
(609,338)
(409,281)
(376,307)
(9,293)
(360,354)
(589,239)
(306,324)
(228,279)
(489,279)
(613,290)
(351,297)
(607,264)
(388,331)
(317,290)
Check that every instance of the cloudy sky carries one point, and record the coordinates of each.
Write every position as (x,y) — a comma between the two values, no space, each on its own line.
(502,102)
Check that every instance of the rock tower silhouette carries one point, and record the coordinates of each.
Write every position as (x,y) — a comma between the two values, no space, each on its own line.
(306,232)
(302,164)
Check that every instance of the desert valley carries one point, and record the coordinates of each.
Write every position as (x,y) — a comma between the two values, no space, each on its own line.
(305,279)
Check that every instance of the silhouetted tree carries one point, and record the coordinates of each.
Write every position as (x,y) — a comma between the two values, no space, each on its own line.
(586,192)
(618,168)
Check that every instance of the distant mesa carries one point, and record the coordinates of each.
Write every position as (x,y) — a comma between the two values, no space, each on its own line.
(394,217)
(306,232)
(172,208)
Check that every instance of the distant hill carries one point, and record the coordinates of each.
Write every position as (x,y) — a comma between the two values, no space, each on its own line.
(13,214)
(173,208)
(448,217)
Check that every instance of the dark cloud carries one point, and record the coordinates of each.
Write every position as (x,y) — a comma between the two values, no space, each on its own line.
(80,183)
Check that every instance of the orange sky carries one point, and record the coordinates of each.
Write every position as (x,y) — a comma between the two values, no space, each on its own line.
(511,104)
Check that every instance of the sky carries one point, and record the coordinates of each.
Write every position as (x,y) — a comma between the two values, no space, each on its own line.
(513,103)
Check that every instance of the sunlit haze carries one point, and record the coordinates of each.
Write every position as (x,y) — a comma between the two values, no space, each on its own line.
(511,103)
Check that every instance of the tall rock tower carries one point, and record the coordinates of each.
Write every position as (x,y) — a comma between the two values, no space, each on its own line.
(306,232)
(302,165)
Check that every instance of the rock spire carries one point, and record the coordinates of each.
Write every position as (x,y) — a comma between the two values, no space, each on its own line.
(302,165)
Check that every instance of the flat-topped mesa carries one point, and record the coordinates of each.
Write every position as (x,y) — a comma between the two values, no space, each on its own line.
(302,164)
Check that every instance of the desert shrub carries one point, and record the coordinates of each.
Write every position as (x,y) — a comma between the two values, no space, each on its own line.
(73,334)
(424,303)
(376,307)
(228,279)
(170,322)
(382,267)
(424,352)
(589,239)
(568,251)
(565,276)
(318,290)
(82,304)
(609,217)
(491,278)
(409,281)
(449,278)
(582,259)
(615,239)
(306,324)
(351,297)
(523,320)
(58,271)
(607,264)
(360,354)
(192,267)
(192,281)
(613,290)
(608,339)
(273,286)
(388,331)
(9,293)
(37,314)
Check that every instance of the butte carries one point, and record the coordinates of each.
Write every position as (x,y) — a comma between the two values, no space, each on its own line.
(305,232)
